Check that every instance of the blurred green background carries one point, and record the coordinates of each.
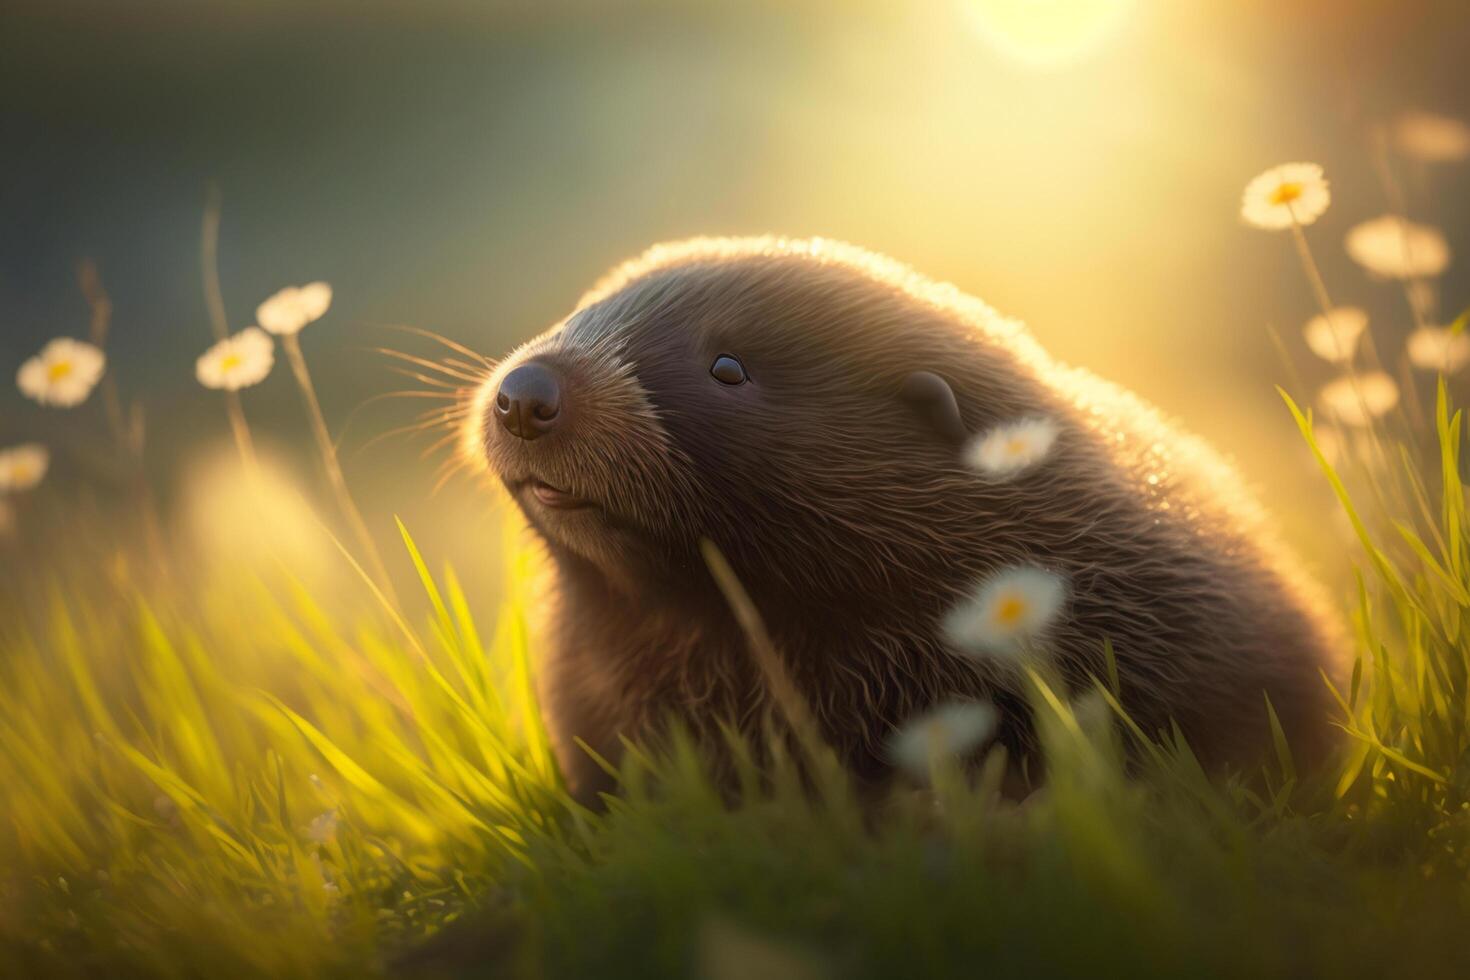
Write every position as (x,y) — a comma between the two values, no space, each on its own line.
(471,167)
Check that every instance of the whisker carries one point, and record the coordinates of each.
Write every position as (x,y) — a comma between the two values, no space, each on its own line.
(439,444)
(440,395)
(451,468)
(440,338)
(448,417)
(473,369)
(467,374)
(371,400)
(450,382)
(425,379)
(451,419)
(412,428)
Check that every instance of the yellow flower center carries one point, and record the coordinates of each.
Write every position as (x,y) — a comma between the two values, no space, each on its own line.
(58,370)
(1285,193)
(229,363)
(1010,610)
(1016,446)
(20,473)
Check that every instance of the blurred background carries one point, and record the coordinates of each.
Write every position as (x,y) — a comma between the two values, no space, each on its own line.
(471,167)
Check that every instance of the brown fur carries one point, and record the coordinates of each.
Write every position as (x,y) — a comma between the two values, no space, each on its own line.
(855,528)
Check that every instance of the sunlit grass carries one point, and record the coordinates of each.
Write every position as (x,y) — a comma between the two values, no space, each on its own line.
(261,787)
(268,786)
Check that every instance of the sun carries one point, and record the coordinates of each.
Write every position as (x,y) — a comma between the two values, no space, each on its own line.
(1046,32)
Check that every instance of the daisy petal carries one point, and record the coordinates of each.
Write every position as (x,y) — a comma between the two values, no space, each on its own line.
(1334,337)
(292,308)
(23,466)
(1432,138)
(952,729)
(1438,349)
(1286,195)
(238,361)
(1008,449)
(1006,612)
(1357,401)
(63,374)
(1391,247)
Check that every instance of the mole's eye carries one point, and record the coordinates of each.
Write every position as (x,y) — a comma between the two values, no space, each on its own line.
(727,370)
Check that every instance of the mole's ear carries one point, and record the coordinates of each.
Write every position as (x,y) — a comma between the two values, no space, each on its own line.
(932,399)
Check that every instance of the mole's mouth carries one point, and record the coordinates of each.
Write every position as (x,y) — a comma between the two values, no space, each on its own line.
(554,497)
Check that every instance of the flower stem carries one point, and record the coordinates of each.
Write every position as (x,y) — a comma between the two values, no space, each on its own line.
(1309,266)
(1319,290)
(127,432)
(243,441)
(789,701)
(1324,302)
(1293,375)
(331,464)
(209,259)
(1399,206)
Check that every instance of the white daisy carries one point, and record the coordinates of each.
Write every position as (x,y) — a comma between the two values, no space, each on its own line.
(1432,138)
(950,730)
(63,374)
(1334,337)
(1395,248)
(294,307)
(1438,349)
(1011,447)
(1006,611)
(1359,404)
(23,466)
(1292,193)
(238,361)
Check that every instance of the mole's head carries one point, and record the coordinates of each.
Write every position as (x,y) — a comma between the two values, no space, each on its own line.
(786,400)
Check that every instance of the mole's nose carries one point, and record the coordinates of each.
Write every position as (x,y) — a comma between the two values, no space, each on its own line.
(529,401)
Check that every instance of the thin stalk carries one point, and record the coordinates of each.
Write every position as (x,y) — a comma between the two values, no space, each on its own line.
(100,305)
(1319,291)
(1398,204)
(9,519)
(129,437)
(22,538)
(1417,418)
(98,302)
(1287,361)
(1309,266)
(331,464)
(1324,302)
(209,255)
(214,299)
(788,698)
(243,441)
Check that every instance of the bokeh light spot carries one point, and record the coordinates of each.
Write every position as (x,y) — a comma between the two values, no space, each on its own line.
(1046,32)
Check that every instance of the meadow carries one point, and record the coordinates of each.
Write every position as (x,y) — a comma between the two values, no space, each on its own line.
(233,774)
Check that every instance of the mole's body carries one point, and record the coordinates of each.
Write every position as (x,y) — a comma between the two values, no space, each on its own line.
(801,404)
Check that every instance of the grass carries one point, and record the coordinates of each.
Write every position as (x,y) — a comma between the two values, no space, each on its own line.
(249,781)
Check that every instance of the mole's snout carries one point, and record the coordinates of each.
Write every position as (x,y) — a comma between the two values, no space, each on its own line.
(529,402)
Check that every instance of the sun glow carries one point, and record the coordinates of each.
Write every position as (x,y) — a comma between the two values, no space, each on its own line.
(1046,32)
